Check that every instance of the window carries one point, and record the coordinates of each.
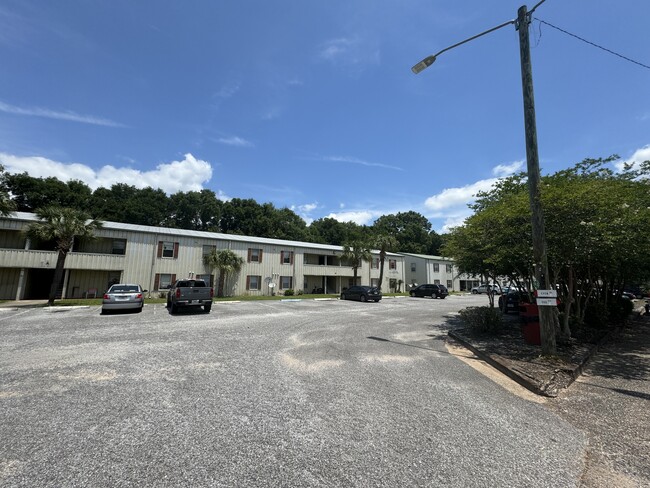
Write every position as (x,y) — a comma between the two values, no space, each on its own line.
(163,281)
(375,263)
(436,282)
(167,249)
(412,267)
(449,284)
(205,277)
(374,282)
(119,246)
(436,268)
(392,264)
(207,249)
(450,268)
(286,282)
(253,282)
(286,257)
(254,256)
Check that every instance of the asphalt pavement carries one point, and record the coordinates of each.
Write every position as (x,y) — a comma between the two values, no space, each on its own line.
(296,393)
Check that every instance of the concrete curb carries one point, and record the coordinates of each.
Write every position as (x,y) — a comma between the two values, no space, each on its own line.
(549,389)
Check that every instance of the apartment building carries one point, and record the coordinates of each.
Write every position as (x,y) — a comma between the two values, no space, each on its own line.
(421,269)
(156,256)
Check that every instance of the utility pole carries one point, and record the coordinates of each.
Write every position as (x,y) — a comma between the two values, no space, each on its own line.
(547,329)
(540,261)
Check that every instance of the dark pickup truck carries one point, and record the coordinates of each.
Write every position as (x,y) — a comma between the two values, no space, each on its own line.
(190,293)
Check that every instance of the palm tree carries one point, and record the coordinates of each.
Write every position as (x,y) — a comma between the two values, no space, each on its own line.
(355,252)
(226,262)
(61,225)
(384,242)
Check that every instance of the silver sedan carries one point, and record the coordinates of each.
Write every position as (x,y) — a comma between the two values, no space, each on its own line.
(123,297)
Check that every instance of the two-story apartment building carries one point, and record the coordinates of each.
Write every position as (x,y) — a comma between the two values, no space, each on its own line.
(156,256)
(421,269)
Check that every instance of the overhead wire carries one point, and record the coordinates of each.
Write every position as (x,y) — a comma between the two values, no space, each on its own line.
(589,42)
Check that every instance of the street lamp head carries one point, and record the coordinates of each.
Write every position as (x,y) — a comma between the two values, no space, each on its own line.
(422,65)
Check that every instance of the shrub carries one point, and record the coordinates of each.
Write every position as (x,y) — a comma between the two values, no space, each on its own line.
(619,309)
(596,315)
(288,293)
(488,320)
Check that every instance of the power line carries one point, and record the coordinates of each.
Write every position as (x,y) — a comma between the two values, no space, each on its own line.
(593,44)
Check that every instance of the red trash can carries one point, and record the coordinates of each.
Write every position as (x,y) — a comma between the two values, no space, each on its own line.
(529,314)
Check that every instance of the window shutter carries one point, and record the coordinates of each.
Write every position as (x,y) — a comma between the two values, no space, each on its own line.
(250,253)
(156,281)
(248,282)
(175,250)
(281,257)
(291,257)
(173,279)
(260,255)
(160,249)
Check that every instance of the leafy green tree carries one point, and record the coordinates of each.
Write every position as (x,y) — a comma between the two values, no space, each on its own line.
(411,230)
(61,225)
(31,193)
(227,262)
(355,252)
(7,205)
(128,204)
(331,231)
(195,210)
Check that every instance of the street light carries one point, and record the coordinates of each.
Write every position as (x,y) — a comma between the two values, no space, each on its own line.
(547,329)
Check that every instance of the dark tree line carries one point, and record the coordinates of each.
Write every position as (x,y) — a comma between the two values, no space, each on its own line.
(202,210)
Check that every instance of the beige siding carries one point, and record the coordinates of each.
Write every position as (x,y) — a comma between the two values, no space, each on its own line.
(9,283)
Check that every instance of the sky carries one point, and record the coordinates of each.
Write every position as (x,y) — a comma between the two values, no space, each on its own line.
(312,105)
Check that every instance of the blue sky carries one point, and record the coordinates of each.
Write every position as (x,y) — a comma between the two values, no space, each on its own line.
(312,105)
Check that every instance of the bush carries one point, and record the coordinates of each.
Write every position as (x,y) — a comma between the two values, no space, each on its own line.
(596,315)
(288,293)
(619,309)
(488,320)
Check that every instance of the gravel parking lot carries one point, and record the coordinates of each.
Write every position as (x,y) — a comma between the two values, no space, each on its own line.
(265,393)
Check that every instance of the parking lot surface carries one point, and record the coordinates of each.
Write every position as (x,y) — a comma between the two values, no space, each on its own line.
(265,393)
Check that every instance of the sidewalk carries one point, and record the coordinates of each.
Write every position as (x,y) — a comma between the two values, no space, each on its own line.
(606,394)
(610,401)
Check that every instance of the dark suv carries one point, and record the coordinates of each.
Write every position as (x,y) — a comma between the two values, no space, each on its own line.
(433,291)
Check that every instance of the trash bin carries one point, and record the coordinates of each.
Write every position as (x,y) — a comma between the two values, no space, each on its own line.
(529,314)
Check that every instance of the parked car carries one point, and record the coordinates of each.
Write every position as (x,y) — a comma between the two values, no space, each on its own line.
(509,302)
(123,296)
(362,293)
(433,291)
(486,289)
(190,293)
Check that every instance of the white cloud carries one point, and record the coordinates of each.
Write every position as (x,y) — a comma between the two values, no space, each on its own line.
(234,141)
(503,170)
(353,160)
(455,200)
(450,198)
(51,114)
(186,175)
(361,217)
(350,52)
(639,156)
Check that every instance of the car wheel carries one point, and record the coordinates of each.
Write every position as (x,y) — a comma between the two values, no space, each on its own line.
(364,298)
(168,304)
(207,307)
(173,308)
(139,310)
(474,292)
(342,296)
(412,294)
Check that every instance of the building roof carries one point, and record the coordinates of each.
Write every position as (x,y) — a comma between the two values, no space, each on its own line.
(170,231)
(426,256)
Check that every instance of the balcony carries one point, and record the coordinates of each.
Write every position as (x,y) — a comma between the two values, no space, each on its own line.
(23,258)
